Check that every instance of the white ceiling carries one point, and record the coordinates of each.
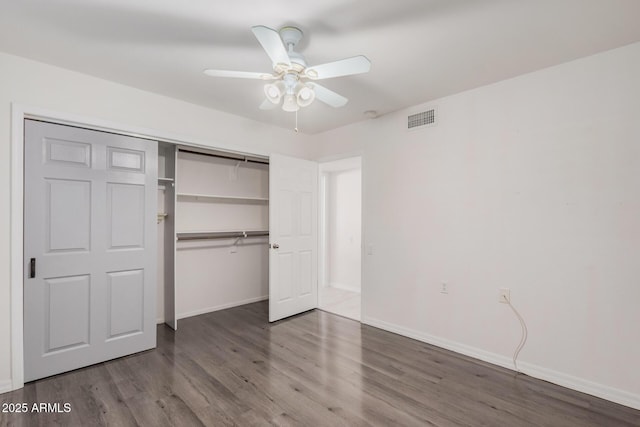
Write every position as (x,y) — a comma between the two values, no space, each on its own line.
(420,49)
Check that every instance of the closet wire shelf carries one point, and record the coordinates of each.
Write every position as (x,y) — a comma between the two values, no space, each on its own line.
(209,235)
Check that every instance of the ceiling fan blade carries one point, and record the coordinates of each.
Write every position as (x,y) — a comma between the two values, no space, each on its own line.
(272,44)
(328,96)
(267,105)
(344,67)
(239,74)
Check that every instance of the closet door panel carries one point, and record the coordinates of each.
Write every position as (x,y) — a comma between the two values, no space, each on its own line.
(90,200)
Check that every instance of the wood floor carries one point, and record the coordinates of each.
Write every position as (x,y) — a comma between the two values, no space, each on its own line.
(234,368)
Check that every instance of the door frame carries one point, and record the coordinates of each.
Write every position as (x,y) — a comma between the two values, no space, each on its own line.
(20,112)
(325,167)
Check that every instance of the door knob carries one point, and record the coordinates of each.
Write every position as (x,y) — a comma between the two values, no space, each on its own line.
(275,246)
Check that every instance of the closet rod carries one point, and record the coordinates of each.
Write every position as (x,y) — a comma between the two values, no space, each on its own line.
(239,158)
(220,235)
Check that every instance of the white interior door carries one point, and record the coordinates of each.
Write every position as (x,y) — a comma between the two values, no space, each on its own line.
(90,247)
(293,235)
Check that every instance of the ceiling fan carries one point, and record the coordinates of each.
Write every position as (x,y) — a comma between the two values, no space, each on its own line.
(293,81)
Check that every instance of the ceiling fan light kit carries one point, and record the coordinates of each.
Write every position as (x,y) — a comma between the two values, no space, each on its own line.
(291,74)
(304,95)
(289,104)
(274,91)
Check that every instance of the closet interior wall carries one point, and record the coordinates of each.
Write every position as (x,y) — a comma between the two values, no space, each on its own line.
(216,195)
(165,293)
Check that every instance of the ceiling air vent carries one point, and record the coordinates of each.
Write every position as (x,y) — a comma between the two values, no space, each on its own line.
(419,120)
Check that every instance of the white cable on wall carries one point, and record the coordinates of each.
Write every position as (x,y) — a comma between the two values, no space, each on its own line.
(523,339)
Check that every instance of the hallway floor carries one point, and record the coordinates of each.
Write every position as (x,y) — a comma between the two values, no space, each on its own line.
(339,301)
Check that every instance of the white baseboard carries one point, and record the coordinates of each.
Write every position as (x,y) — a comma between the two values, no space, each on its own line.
(598,390)
(344,287)
(493,358)
(6,386)
(221,307)
(579,384)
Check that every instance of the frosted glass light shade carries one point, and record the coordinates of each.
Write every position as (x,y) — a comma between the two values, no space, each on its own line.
(305,95)
(290,104)
(274,91)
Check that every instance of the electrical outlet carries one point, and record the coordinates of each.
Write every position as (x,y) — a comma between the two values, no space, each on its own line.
(504,296)
(444,288)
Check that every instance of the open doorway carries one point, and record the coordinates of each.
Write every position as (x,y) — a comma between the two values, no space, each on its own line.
(340,237)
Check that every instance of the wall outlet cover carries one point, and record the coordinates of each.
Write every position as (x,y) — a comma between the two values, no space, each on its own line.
(504,296)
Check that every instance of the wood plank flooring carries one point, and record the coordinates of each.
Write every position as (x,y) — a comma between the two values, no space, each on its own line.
(234,368)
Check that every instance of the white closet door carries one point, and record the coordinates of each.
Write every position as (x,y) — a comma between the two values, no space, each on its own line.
(90,247)
(293,233)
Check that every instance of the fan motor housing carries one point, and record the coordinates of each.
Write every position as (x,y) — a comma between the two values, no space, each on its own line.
(291,35)
(297,58)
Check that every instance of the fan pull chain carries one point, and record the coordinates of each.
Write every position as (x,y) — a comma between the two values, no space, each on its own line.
(296,128)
